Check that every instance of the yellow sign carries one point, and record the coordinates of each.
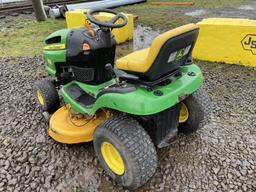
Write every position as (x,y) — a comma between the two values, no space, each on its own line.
(225,40)
(249,43)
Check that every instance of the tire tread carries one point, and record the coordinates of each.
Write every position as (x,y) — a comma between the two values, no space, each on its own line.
(137,142)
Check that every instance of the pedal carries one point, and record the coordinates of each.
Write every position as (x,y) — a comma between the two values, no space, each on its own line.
(80,96)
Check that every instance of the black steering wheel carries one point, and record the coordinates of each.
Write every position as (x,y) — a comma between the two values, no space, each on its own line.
(109,23)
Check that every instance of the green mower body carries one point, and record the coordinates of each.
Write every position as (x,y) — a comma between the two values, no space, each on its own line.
(55,51)
(140,101)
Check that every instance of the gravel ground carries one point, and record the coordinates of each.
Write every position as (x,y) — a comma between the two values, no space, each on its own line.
(220,157)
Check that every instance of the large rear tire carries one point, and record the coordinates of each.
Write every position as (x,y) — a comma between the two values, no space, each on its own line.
(125,151)
(46,95)
(195,111)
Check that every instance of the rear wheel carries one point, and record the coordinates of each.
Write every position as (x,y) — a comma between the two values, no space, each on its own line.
(125,151)
(194,111)
(46,95)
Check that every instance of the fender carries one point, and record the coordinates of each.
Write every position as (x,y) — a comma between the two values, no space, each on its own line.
(141,101)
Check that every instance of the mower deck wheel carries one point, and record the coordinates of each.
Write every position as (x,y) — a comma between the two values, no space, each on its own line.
(46,95)
(194,112)
(125,151)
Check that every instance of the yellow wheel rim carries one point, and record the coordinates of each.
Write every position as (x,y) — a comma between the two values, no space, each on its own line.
(40,97)
(184,113)
(112,158)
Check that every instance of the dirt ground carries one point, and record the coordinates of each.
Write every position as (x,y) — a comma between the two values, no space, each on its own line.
(219,157)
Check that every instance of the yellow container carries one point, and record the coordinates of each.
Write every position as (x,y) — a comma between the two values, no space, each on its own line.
(77,19)
(232,41)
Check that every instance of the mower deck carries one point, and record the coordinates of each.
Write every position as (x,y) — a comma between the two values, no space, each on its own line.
(66,129)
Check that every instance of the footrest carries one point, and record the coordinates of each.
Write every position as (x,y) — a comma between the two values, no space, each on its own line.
(80,96)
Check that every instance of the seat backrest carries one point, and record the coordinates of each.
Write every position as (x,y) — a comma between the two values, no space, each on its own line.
(170,50)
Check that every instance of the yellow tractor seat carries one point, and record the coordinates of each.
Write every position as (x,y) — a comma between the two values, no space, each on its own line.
(134,61)
(168,52)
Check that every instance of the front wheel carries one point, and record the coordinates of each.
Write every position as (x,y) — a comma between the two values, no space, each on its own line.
(194,111)
(125,151)
(46,95)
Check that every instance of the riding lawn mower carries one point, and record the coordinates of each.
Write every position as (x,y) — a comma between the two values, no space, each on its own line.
(128,107)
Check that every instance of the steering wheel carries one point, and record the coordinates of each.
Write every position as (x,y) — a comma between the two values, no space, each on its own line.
(109,23)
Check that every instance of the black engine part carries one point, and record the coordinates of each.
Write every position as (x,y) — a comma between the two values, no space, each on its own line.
(88,65)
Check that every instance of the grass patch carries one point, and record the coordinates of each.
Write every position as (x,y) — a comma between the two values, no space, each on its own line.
(206,3)
(24,37)
(165,17)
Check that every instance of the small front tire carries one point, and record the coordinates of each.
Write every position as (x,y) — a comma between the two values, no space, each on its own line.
(46,95)
(125,151)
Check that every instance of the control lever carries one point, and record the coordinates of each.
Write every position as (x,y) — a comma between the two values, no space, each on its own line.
(111,71)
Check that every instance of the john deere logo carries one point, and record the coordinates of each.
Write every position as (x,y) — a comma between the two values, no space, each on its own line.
(249,43)
(180,54)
